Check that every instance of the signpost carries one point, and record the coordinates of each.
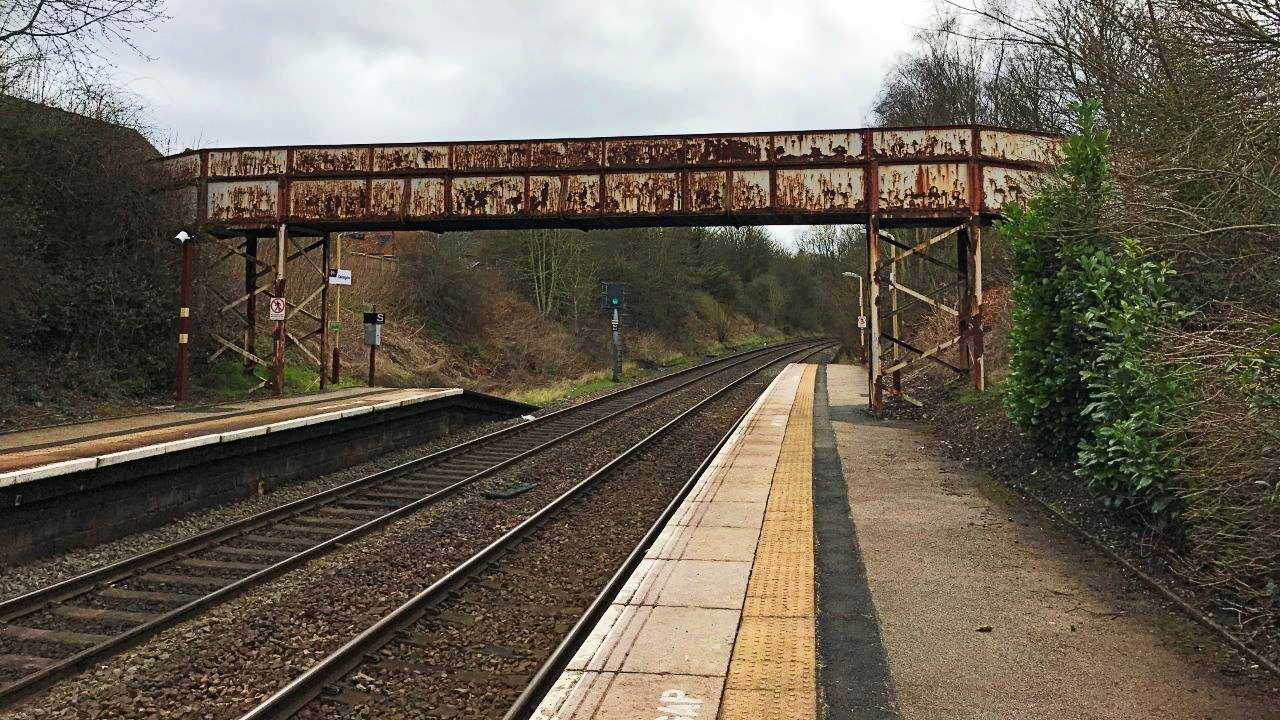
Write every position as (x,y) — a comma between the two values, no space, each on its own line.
(373,322)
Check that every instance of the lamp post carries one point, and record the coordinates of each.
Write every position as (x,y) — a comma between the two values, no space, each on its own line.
(862,325)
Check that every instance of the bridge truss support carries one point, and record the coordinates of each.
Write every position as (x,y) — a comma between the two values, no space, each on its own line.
(893,355)
(294,266)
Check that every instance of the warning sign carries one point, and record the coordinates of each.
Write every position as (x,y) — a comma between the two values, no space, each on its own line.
(862,321)
(276,308)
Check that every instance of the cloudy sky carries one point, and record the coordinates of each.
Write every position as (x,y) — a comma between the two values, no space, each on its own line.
(240,72)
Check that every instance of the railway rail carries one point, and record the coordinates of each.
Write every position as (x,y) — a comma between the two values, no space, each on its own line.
(414,661)
(172,583)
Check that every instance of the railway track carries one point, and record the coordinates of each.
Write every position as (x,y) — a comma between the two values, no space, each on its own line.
(503,620)
(59,629)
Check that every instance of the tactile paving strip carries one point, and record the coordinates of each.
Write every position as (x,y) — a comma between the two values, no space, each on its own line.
(772,673)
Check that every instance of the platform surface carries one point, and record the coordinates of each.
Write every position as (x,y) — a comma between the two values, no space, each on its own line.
(45,452)
(920,598)
(719,616)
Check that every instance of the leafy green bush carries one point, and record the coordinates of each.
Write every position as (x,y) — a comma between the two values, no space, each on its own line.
(1088,305)
(1046,392)
(1122,300)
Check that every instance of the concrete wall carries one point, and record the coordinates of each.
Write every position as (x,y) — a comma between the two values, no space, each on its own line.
(79,509)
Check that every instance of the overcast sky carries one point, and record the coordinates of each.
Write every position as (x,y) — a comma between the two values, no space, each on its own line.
(235,72)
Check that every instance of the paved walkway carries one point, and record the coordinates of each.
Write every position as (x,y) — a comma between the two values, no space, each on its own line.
(719,615)
(45,452)
(905,594)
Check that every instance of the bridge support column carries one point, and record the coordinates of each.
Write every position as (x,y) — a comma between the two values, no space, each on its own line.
(972,263)
(251,302)
(875,384)
(324,312)
(282,238)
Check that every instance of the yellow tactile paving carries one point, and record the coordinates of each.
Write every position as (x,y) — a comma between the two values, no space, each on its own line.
(772,673)
(773,653)
(787,704)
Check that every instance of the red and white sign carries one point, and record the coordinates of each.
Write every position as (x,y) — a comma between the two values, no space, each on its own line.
(276,309)
(862,321)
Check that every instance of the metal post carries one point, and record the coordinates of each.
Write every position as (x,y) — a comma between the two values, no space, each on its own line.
(617,347)
(874,386)
(373,354)
(184,315)
(337,312)
(963,307)
(895,324)
(973,266)
(281,237)
(251,303)
(324,312)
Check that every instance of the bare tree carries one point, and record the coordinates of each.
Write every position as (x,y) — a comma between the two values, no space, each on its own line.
(43,39)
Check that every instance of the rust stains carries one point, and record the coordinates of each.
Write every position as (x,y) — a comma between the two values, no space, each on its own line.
(627,193)
(488,195)
(655,151)
(821,189)
(739,149)
(242,163)
(817,147)
(924,187)
(544,194)
(707,191)
(582,194)
(1006,185)
(312,161)
(410,157)
(490,156)
(385,197)
(904,144)
(245,200)
(751,190)
(328,199)
(1021,147)
(567,154)
(426,197)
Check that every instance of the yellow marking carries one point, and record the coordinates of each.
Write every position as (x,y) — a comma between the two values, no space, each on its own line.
(774,667)
(182,338)
(184,312)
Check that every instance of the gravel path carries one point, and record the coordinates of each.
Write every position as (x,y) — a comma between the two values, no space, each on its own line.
(220,664)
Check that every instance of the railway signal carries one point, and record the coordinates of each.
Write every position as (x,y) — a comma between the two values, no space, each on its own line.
(615,298)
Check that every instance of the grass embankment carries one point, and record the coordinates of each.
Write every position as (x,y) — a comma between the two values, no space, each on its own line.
(598,380)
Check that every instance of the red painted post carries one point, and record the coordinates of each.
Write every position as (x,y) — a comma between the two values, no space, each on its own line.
(184,314)
(324,312)
(337,313)
(278,291)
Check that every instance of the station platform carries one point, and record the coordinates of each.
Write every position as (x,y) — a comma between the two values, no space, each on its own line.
(74,485)
(827,564)
(28,455)
(720,615)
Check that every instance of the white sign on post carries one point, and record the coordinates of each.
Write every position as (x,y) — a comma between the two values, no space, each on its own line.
(276,309)
(862,321)
(339,276)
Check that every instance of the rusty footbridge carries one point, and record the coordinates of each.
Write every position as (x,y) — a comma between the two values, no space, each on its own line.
(954,178)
